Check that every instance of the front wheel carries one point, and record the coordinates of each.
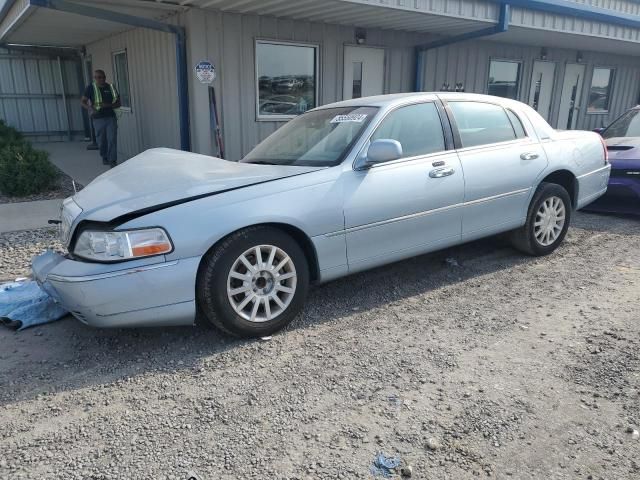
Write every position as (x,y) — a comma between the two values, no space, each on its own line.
(547,223)
(254,283)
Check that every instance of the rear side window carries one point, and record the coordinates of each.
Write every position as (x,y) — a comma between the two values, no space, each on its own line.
(517,124)
(482,123)
(417,127)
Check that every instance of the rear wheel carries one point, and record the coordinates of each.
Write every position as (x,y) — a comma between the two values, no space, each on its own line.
(254,283)
(547,223)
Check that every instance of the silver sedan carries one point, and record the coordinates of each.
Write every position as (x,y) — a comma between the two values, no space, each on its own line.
(341,189)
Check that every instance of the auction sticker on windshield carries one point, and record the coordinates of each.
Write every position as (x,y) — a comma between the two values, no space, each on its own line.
(350,117)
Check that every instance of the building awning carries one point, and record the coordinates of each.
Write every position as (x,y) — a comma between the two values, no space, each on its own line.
(542,23)
(29,22)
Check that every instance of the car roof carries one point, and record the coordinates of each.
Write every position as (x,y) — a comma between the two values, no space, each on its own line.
(400,98)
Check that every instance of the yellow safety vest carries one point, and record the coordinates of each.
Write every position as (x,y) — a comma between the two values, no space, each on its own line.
(97,96)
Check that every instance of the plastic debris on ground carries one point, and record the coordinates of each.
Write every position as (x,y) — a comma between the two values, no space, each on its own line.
(24,304)
(384,466)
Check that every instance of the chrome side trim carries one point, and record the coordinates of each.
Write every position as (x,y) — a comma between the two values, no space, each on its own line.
(606,167)
(425,213)
(102,276)
(495,197)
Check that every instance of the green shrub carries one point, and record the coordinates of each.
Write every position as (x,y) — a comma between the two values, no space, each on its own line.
(9,136)
(25,170)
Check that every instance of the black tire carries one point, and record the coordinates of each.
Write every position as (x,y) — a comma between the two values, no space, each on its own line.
(524,238)
(211,286)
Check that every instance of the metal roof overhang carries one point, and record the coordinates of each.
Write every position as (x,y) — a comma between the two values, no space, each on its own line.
(27,22)
(21,21)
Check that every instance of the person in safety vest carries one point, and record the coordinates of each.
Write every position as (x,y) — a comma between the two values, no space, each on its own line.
(101,99)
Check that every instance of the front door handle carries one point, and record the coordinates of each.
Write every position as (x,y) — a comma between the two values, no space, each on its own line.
(441,172)
(529,156)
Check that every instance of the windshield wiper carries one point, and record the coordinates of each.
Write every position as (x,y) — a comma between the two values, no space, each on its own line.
(261,162)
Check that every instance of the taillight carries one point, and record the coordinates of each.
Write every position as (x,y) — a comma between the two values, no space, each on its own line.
(606,151)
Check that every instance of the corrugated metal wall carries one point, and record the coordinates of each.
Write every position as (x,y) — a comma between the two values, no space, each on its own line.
(31,95)
(468,62)
(153,119)
(228,40)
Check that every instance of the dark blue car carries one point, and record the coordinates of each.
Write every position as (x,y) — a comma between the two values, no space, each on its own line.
(623,144)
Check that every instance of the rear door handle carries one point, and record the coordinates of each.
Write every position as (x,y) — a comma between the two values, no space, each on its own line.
(529,156)
(441,172)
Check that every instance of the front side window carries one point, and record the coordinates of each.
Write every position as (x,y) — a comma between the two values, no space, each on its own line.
(481,123)
(504,79)
(417,127)
(122,78)
(600,91)
(628,125)
(321,138)
(287,79)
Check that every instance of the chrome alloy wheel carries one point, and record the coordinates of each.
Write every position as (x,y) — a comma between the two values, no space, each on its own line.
(261,283)
(549,221)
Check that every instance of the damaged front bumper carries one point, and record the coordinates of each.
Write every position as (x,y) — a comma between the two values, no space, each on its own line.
(142,293)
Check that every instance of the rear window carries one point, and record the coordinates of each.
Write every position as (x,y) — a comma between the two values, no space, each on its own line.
(517,124)
(482,123)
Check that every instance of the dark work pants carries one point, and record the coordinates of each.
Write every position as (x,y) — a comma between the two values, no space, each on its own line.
(107,137)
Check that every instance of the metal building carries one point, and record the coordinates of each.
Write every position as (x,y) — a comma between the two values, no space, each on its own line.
(576,61)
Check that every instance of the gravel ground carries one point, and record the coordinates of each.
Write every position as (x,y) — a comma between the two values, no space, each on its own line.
(18,248)
(494,365)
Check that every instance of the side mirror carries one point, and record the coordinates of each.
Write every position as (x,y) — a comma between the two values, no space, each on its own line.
(383,150)
(599,130)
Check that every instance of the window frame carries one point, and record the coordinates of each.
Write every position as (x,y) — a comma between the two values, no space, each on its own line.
(447,132)
(280,117)
(456,131)
(519,79)
(116,78)
(515,114)
(612,78)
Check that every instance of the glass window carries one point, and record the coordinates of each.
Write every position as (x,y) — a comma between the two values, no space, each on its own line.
(287,79)
(517,124)
(321,138)
(122,78)
(628,125)
(600,92)
(417,127)
(481,123)
(504,79)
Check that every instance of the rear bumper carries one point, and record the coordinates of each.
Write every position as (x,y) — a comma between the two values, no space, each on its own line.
(592,186)
(158,294)
(623,196)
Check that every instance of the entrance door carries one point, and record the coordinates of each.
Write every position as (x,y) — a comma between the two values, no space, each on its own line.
(363,72)
(571,95)
(541,87)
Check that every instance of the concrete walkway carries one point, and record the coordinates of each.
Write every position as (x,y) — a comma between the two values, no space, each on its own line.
(28,215)
(75,160)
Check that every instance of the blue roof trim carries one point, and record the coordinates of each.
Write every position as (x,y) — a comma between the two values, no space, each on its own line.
(579,10)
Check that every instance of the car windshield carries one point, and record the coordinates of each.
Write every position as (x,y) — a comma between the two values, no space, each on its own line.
(628,125)
(320,138)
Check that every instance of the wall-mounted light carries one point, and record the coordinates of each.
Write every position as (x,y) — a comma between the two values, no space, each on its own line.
(579,57)
(543,53)
(361,36)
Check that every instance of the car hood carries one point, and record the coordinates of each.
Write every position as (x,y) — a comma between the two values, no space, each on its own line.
(163,176)
(623,148)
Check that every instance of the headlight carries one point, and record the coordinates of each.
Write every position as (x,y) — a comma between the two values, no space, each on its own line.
(114,246)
